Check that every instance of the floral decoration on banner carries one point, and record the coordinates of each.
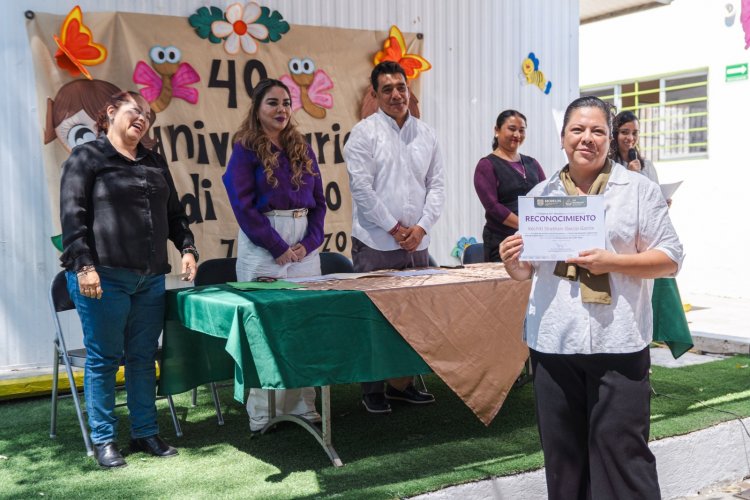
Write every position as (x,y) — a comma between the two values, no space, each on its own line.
(239,27)
(166,78)
(532,75)
(461,244)
(76,46)
(394,49)
(309,87)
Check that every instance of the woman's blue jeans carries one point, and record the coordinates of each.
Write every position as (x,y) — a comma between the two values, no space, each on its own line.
(126,321)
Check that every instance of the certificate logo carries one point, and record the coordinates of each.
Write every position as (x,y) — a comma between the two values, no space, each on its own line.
(575,201)
(560,201)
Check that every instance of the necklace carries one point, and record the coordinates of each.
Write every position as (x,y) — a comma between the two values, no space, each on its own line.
(513,163)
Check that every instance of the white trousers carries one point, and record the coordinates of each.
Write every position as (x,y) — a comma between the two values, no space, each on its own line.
(254,261)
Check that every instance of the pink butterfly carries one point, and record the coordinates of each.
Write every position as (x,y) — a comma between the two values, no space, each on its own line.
(745,20)
(309,87)
(171,78)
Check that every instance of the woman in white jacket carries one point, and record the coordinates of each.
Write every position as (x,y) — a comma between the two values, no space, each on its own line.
(589,323)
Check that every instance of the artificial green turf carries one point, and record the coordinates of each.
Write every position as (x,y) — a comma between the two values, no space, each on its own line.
(412,451)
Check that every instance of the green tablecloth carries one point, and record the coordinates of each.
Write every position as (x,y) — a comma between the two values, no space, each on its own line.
(278,339)
(670,324)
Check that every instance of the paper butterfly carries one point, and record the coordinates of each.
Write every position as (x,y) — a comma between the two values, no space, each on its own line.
(309,87)
(76,46)
(394,49)
(745,20)
(171,78)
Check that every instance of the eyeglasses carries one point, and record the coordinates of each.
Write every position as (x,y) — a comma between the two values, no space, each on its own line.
(265,279)
(144,113)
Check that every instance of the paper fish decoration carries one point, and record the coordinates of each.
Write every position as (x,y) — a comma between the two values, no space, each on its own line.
(76,48)
(168,79)
(309,87)
(394,49)
(530,68)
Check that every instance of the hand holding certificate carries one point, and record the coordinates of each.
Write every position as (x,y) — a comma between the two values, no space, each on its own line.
(555,228)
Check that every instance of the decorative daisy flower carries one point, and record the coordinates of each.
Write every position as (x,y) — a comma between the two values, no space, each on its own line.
(239,28)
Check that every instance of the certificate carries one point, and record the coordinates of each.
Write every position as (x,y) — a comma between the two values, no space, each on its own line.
(667,190)
(559,227)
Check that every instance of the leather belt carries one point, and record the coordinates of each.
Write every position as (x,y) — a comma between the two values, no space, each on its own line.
(296,213)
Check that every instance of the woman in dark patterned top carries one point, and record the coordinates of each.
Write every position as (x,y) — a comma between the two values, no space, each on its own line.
(501,177)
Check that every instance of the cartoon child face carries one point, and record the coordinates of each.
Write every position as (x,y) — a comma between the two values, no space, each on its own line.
(71,116)
(76,130)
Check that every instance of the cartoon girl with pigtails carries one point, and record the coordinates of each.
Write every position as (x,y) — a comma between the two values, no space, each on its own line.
(71,115)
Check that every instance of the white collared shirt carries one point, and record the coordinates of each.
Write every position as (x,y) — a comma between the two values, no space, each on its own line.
(395,175)
(635,219)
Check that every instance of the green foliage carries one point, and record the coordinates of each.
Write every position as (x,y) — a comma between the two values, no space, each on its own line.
(202,20)
(275,23)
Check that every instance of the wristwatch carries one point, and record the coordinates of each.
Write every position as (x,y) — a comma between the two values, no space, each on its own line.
(191,250)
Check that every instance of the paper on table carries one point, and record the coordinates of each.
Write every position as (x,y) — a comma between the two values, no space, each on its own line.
(668,189)
(332,276)
(264,285)
(417,272)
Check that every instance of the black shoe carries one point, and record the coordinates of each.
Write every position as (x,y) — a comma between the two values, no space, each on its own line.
(107,455)
(410,395)
(376,403)
(153,445)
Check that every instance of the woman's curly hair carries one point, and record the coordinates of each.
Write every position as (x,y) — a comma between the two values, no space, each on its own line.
(251,136)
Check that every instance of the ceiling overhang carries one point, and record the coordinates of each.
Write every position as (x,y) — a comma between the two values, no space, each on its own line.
(596,10)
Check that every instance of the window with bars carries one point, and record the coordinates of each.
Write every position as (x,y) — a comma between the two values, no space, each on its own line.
(672,112)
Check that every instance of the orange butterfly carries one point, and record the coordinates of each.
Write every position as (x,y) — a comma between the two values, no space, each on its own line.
(76,46)
(394,49)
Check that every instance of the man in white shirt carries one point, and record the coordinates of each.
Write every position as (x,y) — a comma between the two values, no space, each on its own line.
(397,183)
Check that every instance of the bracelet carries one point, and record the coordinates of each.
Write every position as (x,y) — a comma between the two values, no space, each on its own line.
(83,271)
(395,229)
(191,250)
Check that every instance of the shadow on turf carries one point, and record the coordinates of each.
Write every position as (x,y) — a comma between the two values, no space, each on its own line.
(415,449)
(412,442)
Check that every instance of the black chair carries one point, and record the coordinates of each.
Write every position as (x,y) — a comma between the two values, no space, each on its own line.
(331,263)
(214,272)
(473,254)
(432,262)
(59,301)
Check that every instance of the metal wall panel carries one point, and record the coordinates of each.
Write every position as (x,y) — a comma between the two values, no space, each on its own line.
(476,48)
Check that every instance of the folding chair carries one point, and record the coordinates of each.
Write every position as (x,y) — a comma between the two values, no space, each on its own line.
(473,254)
(59,301)
(332,263)
(213,272)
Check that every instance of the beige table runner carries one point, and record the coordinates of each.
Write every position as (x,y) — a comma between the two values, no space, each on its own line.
(466,324)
